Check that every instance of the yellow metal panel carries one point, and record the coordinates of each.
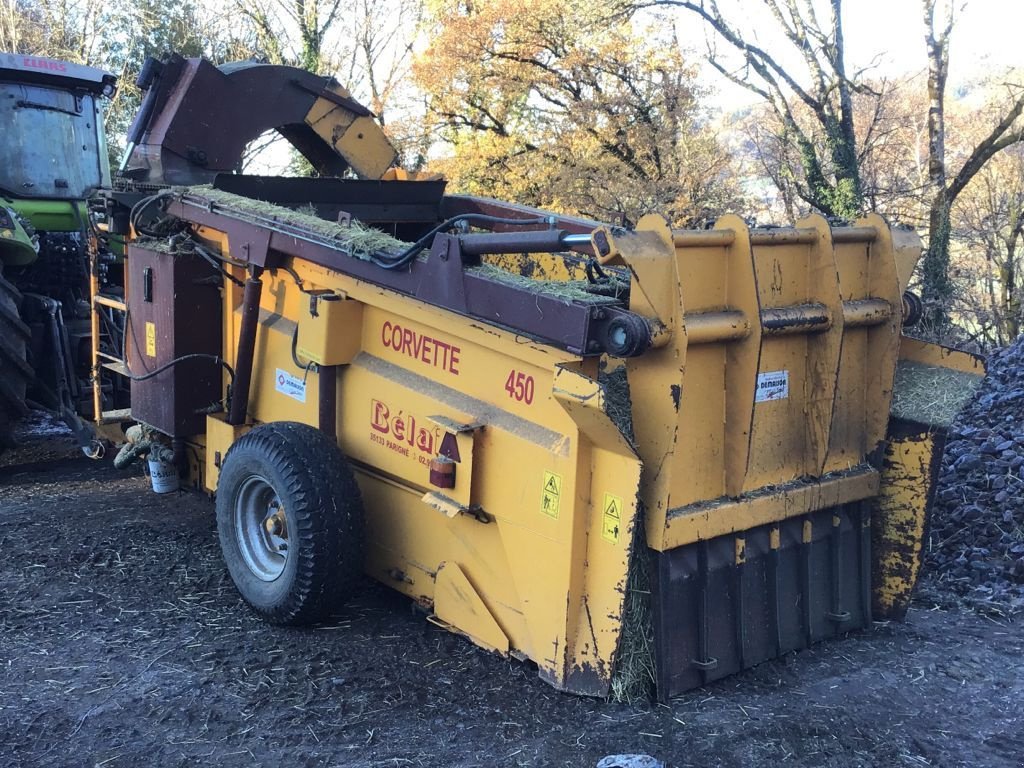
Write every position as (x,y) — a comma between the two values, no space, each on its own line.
(358,139)
(867,269)
(706,521)
(742,356)
(220,436)
(332,335)
(604,513)
(366,148)
(790,420)
(280,390)
(459,606)
(939,356)
(823,348)
(900,518)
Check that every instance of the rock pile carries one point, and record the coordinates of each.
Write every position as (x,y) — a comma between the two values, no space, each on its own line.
(976,544)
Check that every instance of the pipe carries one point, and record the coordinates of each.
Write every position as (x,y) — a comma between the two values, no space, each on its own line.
(707,327)
(532,241)
(783,236)
(246,349)
(695,238)
(854,234)
(796,318)
(866,312)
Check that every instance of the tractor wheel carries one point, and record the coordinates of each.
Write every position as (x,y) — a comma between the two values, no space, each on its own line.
(290,523)
(15,372)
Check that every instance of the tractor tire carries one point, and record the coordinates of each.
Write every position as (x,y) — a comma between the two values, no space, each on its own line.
(15,372)
(290,523)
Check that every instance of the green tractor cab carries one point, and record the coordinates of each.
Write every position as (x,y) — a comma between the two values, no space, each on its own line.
(53,158)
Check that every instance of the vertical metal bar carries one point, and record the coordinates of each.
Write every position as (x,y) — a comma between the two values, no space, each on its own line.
(740,607)
(805,578)
(246,349)
(94,337)
(837,614)
(328,403)
(705,663)
(864,547)
(774,544)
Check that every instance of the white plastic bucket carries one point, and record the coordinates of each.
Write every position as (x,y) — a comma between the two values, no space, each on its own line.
(163,475)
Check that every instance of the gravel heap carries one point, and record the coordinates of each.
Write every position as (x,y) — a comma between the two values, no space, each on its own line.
(976,544)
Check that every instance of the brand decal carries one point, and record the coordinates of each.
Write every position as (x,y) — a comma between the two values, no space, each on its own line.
(402,432)
(426,349)
(290,385)
(47,64)
(773,385)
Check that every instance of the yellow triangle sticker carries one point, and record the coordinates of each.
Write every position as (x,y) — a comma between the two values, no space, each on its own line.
(551,483)
(611,518)
(551,493)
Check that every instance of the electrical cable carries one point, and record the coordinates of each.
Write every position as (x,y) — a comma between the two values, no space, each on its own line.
(217,263)
(306,367)
(194,356)
(594,271)
(138,209)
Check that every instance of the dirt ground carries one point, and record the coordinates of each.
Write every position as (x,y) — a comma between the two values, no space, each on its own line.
(123,643)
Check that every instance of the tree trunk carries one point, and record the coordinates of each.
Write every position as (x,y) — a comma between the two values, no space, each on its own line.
(936,287)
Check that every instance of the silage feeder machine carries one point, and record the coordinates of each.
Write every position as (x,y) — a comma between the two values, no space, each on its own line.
(622,455)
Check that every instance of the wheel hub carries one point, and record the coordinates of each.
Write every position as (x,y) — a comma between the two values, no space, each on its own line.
(261,527)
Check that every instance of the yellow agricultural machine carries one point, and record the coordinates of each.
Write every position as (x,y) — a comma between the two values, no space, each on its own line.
(597,449)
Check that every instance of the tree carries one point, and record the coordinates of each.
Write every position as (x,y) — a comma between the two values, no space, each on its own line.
(812,102)
(364,44)
(274,20)
(815,106)
(946,185)
(566,105)
(988,222)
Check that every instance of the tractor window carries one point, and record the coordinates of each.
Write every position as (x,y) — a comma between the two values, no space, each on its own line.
(50,146)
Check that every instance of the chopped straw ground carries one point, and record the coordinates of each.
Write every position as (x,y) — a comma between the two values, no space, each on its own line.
(930,395)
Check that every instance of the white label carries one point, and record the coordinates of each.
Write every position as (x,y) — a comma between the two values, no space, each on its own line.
(773,385)
(290,385)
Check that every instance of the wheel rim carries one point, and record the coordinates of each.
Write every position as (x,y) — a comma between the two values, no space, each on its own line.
(261,528)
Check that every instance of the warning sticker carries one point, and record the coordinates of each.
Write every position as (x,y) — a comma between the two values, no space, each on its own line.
(773,385)
(151,339)
(290,385)
(551,495)
(611,518)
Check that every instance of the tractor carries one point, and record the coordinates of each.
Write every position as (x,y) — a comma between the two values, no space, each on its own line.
(52,159)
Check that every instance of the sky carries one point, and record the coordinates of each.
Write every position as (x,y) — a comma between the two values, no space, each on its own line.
(986,39)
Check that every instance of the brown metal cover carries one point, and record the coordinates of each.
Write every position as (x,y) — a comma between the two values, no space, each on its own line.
(204,116)
(176,300)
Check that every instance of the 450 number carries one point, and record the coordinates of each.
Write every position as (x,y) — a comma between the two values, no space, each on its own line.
(519,386)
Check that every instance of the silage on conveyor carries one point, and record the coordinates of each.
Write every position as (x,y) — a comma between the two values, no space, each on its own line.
(357,239)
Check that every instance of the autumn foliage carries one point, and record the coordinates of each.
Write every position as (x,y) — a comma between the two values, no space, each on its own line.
(571,106)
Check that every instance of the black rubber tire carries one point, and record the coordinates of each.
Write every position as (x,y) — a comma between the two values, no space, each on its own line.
(323,507)
(15,372)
